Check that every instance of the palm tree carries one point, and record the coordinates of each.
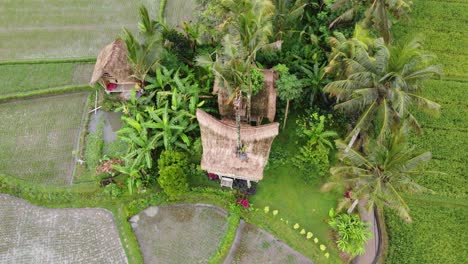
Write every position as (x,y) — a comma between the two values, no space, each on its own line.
(287,14)
(378,14)
(381,174)
(144,56)
(250,23)
(382,84)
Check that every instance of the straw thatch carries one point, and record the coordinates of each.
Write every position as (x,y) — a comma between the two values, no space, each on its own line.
(112,64)
(219,140)
(263,104)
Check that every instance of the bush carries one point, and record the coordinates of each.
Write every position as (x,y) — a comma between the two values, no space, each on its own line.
(173,181)
(169,157)
(312,162)
(352,233)
(173,169)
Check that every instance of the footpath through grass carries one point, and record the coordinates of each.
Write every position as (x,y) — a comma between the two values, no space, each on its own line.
(439,231)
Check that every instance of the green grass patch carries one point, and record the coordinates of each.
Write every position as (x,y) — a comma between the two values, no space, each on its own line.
(443,23)
(93,150)
(438,234)
(284,189)
(27,78)
(34,29)
(39,137)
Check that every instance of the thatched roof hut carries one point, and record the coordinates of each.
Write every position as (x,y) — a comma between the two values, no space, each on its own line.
(263,104)
(219,140)
(112,69)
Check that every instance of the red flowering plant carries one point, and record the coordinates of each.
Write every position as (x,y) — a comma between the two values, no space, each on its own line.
(244,202)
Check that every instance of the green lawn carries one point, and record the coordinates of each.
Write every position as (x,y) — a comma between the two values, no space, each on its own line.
(39,136)
(20,78)
(282,188)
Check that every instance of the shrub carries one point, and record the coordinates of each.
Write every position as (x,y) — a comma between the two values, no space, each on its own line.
(173,170)
(312,162)
(113,190)
(169,157)
(352,233)
(173,181)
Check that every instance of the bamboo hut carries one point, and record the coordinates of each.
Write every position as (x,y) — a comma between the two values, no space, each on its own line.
(112,70)
(219,141)
(263,104)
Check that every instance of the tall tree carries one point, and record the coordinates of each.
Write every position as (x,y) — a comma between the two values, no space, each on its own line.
(144,56)
(381,174)
(286,16)
(382,82)
(288,87)
(248,23)
(378,14)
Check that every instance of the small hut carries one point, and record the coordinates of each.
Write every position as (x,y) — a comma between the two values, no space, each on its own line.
(263,104)
(112,70)
(219,141)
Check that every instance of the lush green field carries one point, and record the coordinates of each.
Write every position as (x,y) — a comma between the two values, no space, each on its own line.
(447,138)
(20,78)
(177,11)
(39,136)
(443,23)
(37,29)
(283,189)
(438,234)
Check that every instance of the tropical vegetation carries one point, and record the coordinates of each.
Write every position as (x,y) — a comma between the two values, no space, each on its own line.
(359,94)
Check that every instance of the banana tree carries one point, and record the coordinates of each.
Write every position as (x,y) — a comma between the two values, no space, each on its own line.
(171,127)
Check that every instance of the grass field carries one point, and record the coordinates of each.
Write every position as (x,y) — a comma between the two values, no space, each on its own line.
(439,232)
(20,78)
(423,241)
(284,190)
(37,29)
(34,29)
(443,23)
(39,136)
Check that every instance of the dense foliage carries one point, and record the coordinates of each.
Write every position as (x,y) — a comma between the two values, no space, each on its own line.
(352,232)
(173,170)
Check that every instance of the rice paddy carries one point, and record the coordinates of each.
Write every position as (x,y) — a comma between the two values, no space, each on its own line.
(39,137)
(438,233)
(21,78)
(38,29)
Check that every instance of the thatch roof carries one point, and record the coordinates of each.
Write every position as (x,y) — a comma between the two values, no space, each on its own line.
(263,103)
(112,61)
(219,140)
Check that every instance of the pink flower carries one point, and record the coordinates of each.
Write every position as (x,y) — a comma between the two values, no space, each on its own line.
(239,201)
(245,203)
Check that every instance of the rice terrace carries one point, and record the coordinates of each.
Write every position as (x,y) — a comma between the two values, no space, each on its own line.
(234,131)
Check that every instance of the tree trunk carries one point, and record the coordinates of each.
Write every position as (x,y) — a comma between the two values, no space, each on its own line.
(384,21)
(249,106)
(239,143)
(286,114)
